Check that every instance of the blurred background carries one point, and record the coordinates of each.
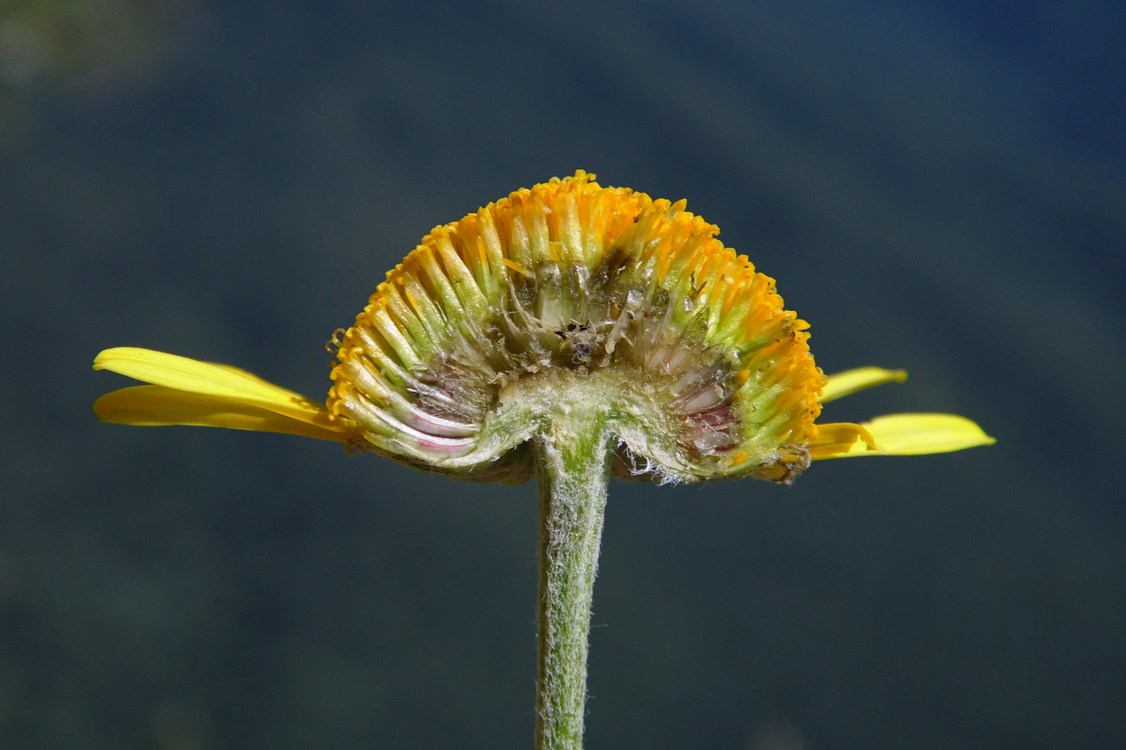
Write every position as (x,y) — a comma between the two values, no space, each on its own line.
(939,186)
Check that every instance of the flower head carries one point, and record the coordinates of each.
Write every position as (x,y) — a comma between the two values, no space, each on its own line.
(564,292)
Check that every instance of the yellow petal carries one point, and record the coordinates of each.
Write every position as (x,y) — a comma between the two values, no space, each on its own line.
(208,379)
(899,435)
(850,381)
(149,405)
(837,439)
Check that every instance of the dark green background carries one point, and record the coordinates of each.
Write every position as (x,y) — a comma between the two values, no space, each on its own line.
(938,186)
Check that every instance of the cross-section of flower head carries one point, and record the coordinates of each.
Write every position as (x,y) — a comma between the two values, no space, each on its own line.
(568,292)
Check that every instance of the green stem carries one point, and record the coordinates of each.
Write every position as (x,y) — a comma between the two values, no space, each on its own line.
(573,463)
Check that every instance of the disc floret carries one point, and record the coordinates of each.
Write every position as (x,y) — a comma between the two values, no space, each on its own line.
(702,370)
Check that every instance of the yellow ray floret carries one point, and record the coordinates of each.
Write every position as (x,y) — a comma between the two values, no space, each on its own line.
(899,435)
(189,392)
(851,381)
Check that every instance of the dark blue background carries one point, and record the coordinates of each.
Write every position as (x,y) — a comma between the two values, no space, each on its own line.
(935,186)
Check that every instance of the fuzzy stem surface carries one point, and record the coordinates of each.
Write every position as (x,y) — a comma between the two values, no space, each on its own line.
(573,463)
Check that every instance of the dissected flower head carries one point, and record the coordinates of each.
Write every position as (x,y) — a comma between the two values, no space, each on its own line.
(565,293)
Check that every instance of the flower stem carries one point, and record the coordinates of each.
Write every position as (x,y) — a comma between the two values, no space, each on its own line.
(573,462)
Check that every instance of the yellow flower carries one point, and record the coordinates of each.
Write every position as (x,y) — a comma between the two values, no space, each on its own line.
(565,291)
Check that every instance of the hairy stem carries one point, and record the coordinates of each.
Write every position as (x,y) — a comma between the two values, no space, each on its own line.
(573,463)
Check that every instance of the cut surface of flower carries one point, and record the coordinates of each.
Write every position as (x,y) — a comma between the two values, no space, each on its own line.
(571,290)
(566,295)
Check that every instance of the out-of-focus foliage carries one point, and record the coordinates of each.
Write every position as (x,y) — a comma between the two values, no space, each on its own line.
(82,47)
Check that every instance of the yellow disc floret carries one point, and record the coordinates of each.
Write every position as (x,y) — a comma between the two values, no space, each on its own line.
(570,283)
